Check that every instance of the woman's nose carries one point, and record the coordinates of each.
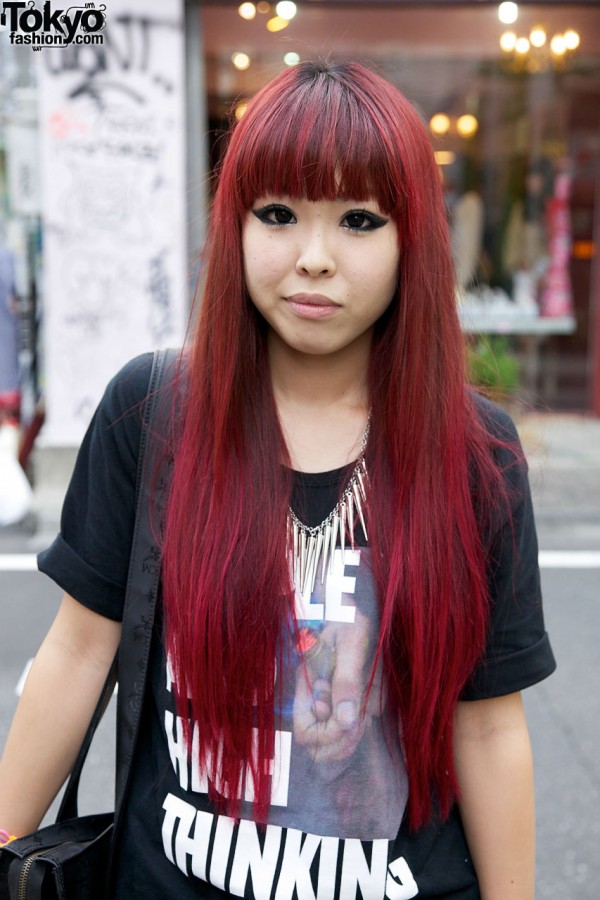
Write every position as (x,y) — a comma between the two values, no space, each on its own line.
(315,256)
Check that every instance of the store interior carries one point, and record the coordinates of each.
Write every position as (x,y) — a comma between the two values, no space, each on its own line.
(512,109)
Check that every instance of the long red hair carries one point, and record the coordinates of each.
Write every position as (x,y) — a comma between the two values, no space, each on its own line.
(320,131)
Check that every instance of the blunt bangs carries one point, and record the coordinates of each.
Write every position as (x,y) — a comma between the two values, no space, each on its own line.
(317,140)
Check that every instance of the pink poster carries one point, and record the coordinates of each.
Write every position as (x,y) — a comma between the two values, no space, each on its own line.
(557,296)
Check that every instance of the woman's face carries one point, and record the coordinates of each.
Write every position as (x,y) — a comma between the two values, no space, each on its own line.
(321,273)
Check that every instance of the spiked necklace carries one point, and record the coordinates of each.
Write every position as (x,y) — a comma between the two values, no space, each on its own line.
(309,546)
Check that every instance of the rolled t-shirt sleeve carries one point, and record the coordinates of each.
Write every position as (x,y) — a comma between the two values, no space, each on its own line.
(518,652)
(89,559)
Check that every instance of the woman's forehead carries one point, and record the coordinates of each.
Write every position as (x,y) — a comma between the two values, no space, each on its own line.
(317,187)
(340,202)
(315,167)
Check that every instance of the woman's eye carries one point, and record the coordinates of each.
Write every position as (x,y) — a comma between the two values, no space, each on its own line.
(274,215)
(360,220)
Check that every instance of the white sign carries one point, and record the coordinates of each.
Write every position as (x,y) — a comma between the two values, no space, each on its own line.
(113,198)
(22,154)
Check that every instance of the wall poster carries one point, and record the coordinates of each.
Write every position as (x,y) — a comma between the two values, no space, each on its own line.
(113,199)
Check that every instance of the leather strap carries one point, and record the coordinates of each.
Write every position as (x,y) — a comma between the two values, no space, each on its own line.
(144,570)
(68,806)
(141,594)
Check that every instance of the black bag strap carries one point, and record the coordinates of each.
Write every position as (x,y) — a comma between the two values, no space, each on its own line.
(68,806)
(131,661)
(144,567)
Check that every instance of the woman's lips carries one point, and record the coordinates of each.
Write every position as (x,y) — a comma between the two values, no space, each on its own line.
(312,306)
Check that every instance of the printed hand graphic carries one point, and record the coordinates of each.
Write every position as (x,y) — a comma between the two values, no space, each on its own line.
(328,706)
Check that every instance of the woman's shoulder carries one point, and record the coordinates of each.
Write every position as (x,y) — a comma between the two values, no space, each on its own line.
(144,396)
(497,453)
(128,388)
(496,421)
(117,424)
(500,437)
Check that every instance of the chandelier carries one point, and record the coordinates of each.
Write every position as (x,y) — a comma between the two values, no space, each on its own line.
(536,51)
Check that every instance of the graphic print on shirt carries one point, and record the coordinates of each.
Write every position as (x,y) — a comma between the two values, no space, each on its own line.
(339,787)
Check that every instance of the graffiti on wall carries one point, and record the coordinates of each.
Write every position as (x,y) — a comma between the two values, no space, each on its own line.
(113,199)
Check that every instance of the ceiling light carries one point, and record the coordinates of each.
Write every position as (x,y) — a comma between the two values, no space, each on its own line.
(558,45)
(522,45)
(508,41)
(444,157)
(467,125)
(537,37)
(241,61)
(508,13)
(277,24)
(291,58)
(440,123)
(263,6)
(247,10)
(240,109)
(286,9)
(571,39)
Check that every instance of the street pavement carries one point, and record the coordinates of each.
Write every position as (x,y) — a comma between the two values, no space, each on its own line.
(563,712)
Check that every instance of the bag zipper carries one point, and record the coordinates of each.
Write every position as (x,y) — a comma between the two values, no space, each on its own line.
(22,886)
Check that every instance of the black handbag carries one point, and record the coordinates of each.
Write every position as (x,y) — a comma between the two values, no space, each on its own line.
(71,859)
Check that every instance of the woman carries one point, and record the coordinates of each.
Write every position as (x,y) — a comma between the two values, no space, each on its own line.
(350,586)
(10,397)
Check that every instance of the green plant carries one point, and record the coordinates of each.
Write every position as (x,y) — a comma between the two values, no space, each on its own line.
(492,364)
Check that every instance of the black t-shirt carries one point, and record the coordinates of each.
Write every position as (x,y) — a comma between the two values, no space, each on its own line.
(336,827)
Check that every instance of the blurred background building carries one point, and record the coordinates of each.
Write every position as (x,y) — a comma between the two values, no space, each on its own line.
(509,92)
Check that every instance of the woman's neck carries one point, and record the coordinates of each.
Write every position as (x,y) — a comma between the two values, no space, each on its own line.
(322,403)
(319,381)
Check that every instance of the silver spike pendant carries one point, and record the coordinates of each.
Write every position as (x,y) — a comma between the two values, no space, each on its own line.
(312,549)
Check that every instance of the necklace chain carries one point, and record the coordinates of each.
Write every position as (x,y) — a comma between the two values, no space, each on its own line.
(310,544)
